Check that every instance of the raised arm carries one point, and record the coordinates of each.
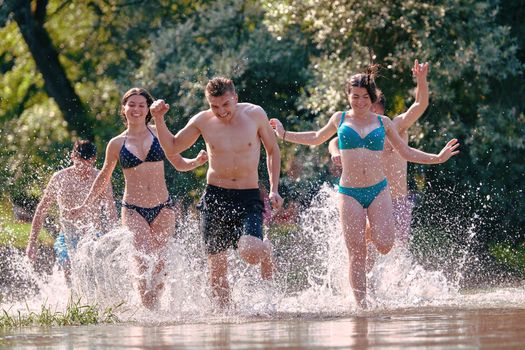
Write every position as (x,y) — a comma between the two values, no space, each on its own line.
(173,144)
(273,158)
(48,198)
(307,137)
(405,120)
(416,156)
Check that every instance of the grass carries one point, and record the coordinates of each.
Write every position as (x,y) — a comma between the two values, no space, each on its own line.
(75,314)
(15,233)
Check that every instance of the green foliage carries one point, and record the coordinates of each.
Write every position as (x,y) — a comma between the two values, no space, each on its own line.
(509,256)
(292,57)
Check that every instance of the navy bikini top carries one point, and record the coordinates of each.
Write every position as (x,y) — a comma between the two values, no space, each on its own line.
(129,160)
(349,138)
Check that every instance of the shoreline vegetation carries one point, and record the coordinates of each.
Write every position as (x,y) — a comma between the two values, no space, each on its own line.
(75,314)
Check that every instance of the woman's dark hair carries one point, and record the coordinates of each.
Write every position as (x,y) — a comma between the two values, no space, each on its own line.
(365,80)
(85,149)
(132,92)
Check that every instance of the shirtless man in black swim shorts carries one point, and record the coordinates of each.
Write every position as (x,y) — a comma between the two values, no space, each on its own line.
(231,208)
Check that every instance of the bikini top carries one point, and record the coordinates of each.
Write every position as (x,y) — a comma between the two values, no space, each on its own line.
(129,160)
(349,138)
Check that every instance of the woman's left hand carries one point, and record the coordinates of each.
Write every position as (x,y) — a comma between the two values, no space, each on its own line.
(449,150)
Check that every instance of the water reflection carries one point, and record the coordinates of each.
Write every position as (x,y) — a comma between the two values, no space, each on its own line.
(412,328)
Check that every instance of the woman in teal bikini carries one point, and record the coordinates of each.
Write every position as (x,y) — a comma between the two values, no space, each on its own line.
(362,185)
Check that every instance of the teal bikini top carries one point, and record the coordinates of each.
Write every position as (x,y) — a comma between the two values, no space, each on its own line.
(349,138)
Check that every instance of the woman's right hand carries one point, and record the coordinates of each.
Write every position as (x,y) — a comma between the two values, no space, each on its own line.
(278,127)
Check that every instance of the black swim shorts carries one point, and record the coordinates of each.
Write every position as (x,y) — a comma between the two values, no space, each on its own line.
(227,214)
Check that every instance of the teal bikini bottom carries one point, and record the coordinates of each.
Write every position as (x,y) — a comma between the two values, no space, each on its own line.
(364,195)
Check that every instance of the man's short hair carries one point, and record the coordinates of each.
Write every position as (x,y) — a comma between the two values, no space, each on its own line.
(218,86)
(85,149)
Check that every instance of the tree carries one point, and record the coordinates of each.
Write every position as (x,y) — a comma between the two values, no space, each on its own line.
(31,22)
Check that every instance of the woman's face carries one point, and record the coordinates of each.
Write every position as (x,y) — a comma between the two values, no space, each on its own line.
(359,99)
(136,109)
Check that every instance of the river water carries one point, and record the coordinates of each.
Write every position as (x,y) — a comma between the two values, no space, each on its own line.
(309,304)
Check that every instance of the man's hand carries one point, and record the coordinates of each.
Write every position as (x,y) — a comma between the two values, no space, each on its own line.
(275,200)
(278,127)
(336,159)
(158,109)
(420,70)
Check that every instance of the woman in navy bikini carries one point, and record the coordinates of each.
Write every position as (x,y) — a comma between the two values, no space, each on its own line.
(147,208)
(362,185)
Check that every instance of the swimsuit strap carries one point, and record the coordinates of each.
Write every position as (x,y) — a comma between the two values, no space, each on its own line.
(380,121)
(342,118)
(151,132)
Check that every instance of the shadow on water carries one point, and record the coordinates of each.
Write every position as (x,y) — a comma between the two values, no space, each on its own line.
(309,304)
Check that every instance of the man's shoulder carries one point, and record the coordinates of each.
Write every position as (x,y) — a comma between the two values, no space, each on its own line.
(253,111)
(250,107)
(201,116)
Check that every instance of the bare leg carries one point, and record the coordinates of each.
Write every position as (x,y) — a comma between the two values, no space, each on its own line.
(352,216)
(371,251)
(149,240)
(218,266)
(254,251)
(382,226)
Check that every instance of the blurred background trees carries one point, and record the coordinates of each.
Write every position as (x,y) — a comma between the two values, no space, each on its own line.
(65,63)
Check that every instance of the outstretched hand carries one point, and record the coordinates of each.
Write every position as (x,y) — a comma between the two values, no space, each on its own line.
(449,150)
(275,200)
(201,158)
(159,108)
(278,127)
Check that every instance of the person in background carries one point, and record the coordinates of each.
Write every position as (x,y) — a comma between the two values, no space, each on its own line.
(68,188)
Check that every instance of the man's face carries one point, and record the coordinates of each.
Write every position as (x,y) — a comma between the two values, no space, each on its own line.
(223,106)
(377,109)
(80,162)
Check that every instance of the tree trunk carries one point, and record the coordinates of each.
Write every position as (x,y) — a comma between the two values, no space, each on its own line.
(56,83)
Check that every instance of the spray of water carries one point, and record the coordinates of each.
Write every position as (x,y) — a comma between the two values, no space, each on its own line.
(312,278)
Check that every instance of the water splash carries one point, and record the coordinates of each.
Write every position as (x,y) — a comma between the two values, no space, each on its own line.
(312,280)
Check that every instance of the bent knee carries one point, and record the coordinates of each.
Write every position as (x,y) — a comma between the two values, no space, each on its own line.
(251,249)
(384,246)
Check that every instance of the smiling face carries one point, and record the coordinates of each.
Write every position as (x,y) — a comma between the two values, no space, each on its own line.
(359,99)
(135,109)
(224,106)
